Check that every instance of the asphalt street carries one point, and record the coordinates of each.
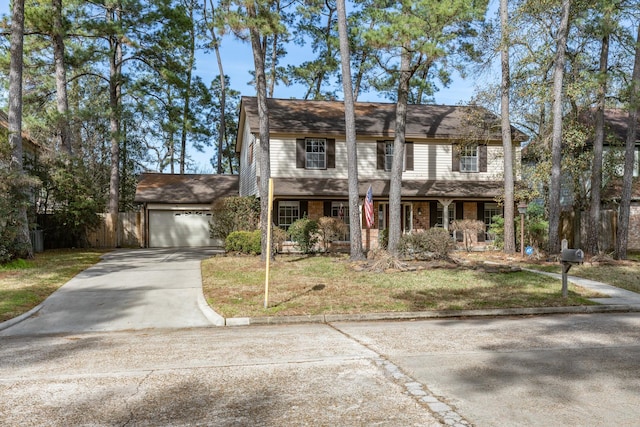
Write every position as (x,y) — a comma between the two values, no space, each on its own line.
(562,370)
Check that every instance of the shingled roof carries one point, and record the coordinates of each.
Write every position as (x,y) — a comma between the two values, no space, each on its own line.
(616,121)
(375,119)
(334,187)
(190,188)
(26,138)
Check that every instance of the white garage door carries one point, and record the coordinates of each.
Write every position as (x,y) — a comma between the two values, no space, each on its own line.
(188,228)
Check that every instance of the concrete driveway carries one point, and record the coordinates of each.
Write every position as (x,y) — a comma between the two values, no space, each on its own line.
(128,289)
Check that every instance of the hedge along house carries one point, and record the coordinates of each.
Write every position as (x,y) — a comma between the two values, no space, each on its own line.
(177,208)
(453,162)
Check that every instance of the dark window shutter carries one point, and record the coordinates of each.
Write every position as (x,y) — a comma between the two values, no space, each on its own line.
(276,211)
(459,210)
(300,153)
(380,155)
(304,208)
(433,213)
(331,153)
(408,151)
(480,217)
(327,208)
(482,160)
(455,158)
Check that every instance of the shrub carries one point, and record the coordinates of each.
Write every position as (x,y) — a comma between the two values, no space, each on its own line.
(434,243)
(469,228)
(383,238)
(14,191)
(230,214)
(497,230)
(330,229)
(246,242)
(278,237)
(304,232)
(536,228)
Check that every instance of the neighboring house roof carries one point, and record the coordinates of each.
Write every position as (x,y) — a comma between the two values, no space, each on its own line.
(28,143)
(616,120)
(375,119)
(190,188)
(331,187)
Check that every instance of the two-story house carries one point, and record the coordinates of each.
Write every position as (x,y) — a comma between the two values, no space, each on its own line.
(453,164)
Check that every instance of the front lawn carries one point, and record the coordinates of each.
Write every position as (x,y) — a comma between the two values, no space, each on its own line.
(299,285)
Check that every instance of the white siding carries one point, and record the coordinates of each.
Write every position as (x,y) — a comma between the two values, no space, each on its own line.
(432,161)
(248,171)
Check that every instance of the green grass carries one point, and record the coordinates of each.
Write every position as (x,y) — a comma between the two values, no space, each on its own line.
(622,274)
(26,283)
(234,287)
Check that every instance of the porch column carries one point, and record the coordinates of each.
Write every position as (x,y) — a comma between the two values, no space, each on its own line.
(445,212)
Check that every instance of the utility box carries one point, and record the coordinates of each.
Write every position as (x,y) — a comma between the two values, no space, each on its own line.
(572,256)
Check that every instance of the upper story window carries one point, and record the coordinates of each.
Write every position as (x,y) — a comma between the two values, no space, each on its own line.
(469,158)
(250,152)
(315,153)
(385,155)
(388,155)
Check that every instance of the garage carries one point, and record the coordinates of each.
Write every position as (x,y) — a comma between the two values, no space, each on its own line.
(177,207)
(180,228)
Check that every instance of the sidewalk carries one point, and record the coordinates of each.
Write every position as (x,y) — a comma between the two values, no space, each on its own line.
(617,296)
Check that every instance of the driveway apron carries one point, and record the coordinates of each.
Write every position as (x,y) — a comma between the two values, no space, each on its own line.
(127,289)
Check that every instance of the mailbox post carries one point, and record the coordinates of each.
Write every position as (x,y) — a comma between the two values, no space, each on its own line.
(569,257)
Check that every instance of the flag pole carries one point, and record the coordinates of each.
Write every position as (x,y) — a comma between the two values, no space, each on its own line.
(266,278)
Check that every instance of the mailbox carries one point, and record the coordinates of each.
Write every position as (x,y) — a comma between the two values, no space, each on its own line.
(572,256)
(569,257)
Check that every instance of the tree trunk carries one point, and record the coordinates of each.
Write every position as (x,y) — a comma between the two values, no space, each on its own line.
(62,103)
(556,145)
(622,234)
(23,247)
(222,131)
(593,234)
(395,187)
(507,145)
(115,76)
(263,118)
(350,125)
(187,94)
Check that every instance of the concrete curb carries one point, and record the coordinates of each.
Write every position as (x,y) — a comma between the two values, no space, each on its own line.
(209,312)
(417,315)
(23,316)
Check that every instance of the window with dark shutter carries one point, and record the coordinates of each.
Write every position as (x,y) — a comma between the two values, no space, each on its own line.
(455,158)
(408,156)
(331,153)
(300,153)
(482,158)
(380,148)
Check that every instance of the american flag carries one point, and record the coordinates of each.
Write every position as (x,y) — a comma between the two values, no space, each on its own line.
(368,207)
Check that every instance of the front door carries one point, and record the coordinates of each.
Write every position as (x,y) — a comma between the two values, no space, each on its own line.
(407,217)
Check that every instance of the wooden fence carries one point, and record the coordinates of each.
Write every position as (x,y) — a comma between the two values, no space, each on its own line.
(129,232)
(573,227)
